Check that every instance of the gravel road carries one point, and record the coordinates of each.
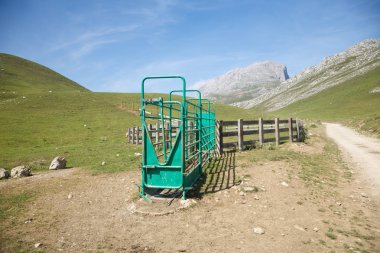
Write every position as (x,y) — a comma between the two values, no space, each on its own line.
(364,151)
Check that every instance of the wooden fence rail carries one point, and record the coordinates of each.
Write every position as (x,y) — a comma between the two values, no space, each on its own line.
(237,134)
(251,132)
(134,134)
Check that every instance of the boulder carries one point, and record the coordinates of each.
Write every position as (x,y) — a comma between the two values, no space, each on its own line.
(58,163)
(4,174)
(21,171)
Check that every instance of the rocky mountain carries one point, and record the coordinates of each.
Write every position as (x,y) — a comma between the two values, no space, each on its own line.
(244,84)
(332,71)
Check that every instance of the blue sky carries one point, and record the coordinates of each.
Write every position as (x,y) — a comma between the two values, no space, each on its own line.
(112,45)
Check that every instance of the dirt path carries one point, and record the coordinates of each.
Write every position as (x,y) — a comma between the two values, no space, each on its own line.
(364,151)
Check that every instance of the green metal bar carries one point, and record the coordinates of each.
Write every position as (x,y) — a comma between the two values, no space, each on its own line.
(191,148)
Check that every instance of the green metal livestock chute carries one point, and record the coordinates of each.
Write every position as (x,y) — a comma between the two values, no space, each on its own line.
(178,136)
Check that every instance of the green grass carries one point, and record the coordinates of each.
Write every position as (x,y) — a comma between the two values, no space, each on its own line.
(330,234)
(350,102)
(18,75)
(12,205)
(85,127)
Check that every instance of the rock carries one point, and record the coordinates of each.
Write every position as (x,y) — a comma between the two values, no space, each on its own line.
(248,82)
(28,220)
(249,189)
(70,196)
(186,203)
(103,163)
(331,71)
(299,228)
(21,171)
(4,174)
(37,245)
(256,197)
(258,230)
(58,162)
(339,203)
(364,195)
(284,184)
(316,229)
(242,193)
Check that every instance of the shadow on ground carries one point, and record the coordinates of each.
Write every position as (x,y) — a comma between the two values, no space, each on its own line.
(220,174)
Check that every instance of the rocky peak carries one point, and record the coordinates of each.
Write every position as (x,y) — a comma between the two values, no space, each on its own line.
(244,83)
(331,71)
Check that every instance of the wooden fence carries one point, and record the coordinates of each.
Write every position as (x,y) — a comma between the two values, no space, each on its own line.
(237,134)
(251,132)
(134,134)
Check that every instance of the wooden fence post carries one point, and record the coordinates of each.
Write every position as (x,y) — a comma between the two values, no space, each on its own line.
(277,132)
(261,131)
(157,132)
(298,130)
(191,138)
(290,129)
(150,128)
(129,135)
(133,135)
(240,134)
(167,132)
(137,135)
(219,137)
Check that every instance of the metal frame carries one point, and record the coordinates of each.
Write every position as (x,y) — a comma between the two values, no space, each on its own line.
(175,158)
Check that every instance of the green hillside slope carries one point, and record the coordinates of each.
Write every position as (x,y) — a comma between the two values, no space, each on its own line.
(85,127)
(18,75)
(350,102)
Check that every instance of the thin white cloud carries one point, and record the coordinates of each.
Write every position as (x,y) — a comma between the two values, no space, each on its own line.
(89,41)
(94,35)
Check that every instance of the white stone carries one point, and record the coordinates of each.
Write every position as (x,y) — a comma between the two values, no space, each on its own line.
(249,189)
(299,228)
(58,162)
(21,171)
(284,184)
(4,174)
(186,203)
(258,230)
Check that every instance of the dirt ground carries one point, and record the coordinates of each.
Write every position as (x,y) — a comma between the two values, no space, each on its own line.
(74,211)
(362,150)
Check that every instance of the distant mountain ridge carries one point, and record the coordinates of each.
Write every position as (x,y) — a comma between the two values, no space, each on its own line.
(244,83)
(332,71)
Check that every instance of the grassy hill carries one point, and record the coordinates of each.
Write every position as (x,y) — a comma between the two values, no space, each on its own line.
(86,127)
(350,102)
(20,75)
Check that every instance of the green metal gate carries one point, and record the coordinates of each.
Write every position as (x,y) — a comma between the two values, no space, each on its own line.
(181,142)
